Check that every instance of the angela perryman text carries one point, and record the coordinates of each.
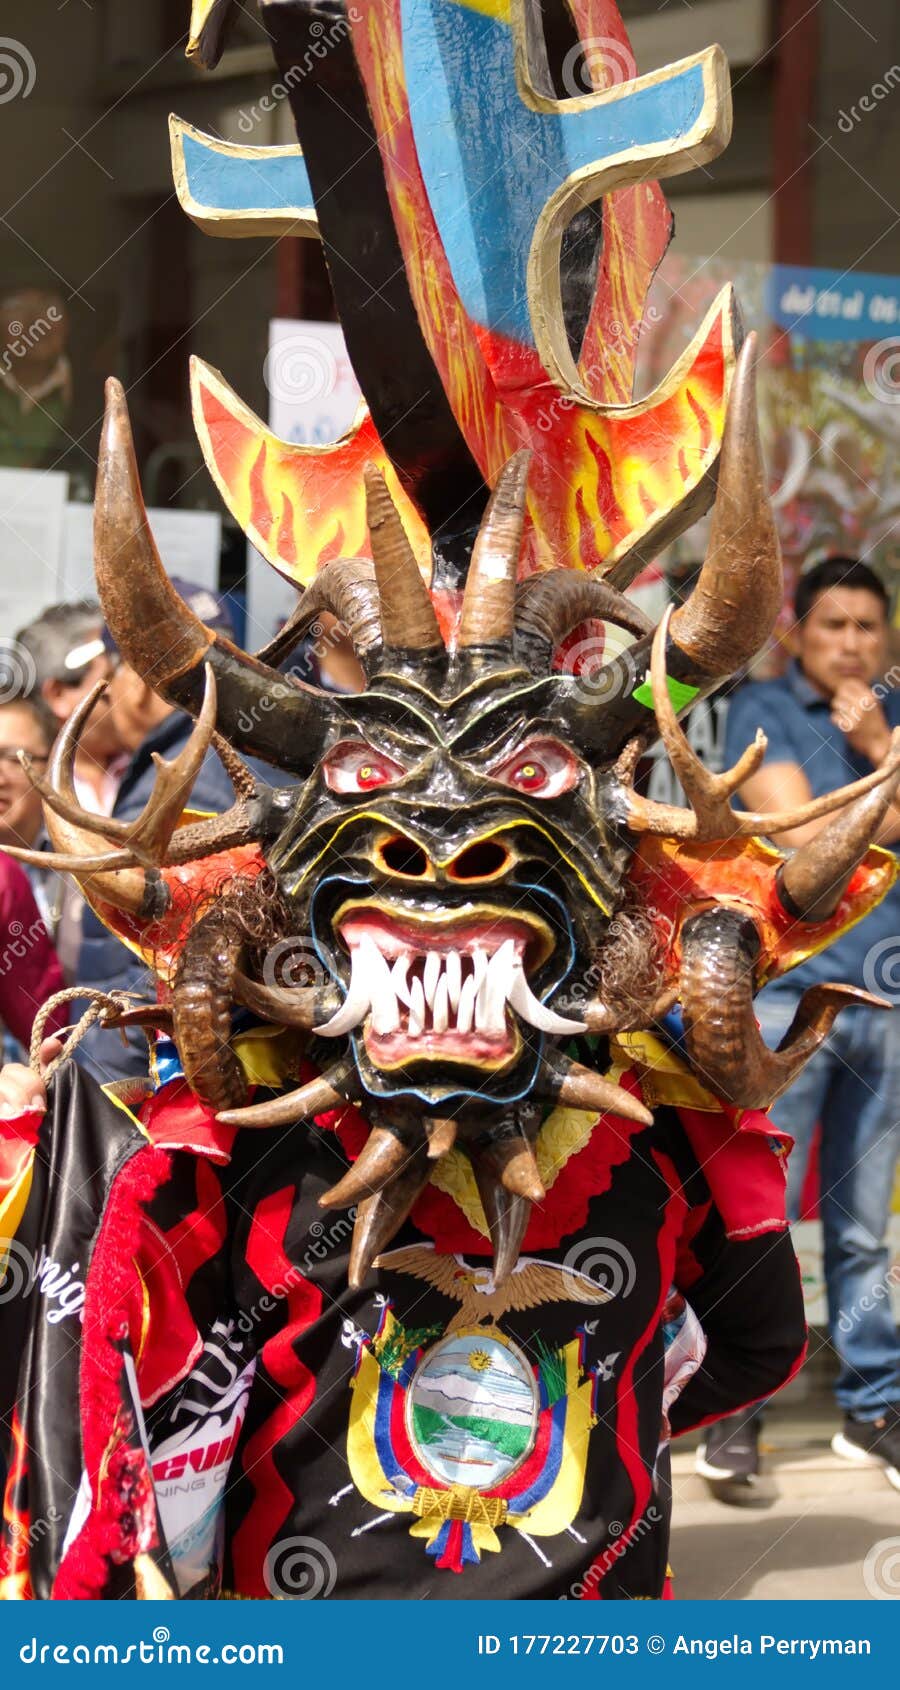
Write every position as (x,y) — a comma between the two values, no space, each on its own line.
(766,1644)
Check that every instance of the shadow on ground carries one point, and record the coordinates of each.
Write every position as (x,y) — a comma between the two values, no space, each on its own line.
(789,1553)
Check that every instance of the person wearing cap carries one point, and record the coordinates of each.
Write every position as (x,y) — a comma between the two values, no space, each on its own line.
(145,725)
(64,649)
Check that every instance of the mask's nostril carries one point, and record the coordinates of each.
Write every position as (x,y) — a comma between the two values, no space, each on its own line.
(482,861)
(404,856)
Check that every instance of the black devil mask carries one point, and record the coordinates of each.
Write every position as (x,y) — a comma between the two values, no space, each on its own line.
(458,850)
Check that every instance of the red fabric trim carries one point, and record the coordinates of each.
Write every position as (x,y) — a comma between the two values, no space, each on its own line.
(687,1267)
(627,1442)
(19,1129)
(168,1262)
(112,1311)
(174,1119)
(746,1177)
(15,1156)
(274,1499)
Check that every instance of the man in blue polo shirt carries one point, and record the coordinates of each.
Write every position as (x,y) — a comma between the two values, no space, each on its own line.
(828,720)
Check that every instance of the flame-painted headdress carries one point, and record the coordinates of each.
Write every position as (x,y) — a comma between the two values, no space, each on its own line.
(463,857)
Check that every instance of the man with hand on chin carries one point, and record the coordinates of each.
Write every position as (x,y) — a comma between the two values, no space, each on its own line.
(828,720)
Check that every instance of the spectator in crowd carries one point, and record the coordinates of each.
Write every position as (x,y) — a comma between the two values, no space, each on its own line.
(25,725)
(143,724)
(29,968)
(65,648)
(828,720)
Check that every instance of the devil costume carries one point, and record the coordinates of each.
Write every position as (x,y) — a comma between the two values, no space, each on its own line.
(450,1195)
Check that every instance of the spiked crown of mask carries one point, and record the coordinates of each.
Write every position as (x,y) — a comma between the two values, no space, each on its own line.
(462,846)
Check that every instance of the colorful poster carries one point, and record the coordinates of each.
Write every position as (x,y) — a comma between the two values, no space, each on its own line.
(829,394)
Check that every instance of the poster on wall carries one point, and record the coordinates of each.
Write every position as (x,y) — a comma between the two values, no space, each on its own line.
(829,397)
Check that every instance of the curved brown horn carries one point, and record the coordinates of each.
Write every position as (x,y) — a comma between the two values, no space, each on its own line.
(315,1098)
(604,1019)
(720,950)
(487,617)
(286,1006)
(507,1214)
(408,621)
(149,835)
(511,1161)
(259,711)
(581,1088)
(84,851)
(813,881)
(348,589)
(381,1157)
(201,1010)
(379,1217)
(243,780)
(549,606)
(734,605)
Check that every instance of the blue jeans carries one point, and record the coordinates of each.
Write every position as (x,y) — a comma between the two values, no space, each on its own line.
(852,1086)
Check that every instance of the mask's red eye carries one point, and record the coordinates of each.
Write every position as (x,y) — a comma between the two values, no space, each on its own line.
(531,776)
(543,767)
(353,766)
